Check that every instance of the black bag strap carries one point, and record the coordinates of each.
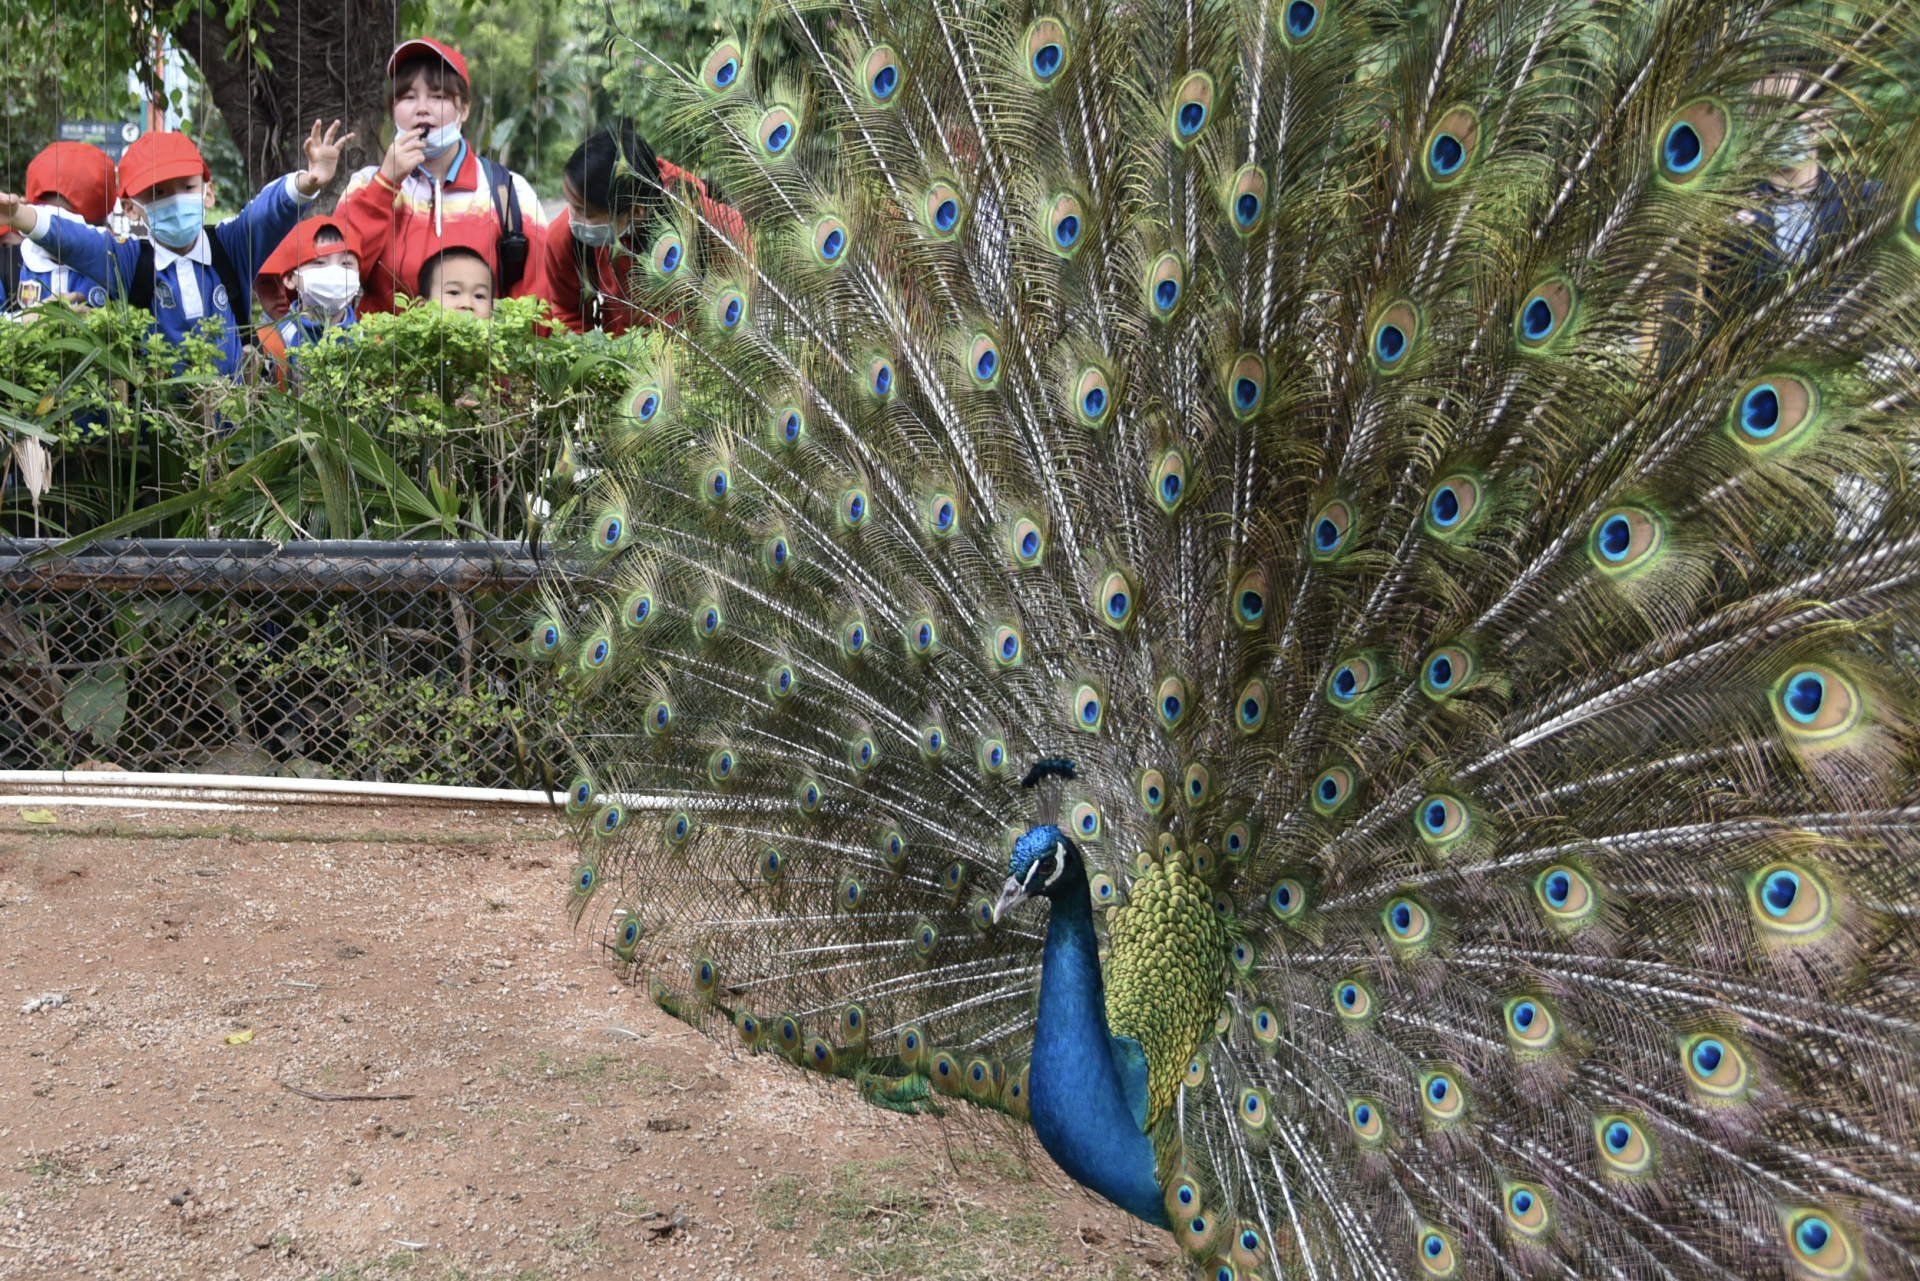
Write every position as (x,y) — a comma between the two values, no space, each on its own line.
(511,248)
(239,301)
(10,268)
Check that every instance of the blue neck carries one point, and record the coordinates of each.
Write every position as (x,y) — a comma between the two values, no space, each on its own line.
(1079,1111)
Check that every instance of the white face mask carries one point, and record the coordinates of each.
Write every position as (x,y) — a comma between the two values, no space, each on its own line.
(330,289)
(442,140)
(593,234)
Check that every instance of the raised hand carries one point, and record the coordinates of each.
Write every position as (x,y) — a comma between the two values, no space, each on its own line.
(323,156)
(406,153)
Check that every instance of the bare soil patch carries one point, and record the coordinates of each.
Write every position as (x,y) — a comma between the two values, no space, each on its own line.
(555,1126)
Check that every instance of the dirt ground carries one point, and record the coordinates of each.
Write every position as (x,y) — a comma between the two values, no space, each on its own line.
(555,1124)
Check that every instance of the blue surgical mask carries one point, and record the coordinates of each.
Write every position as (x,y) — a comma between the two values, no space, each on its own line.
(175,221)
(442,140)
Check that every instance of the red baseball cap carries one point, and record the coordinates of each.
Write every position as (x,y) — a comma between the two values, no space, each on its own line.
(155,157)
(447,53)
(78,172)
(295,252)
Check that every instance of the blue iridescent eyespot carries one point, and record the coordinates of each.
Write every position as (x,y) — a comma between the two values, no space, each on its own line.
(670,259)
(730,314)
(884,82)
(1390,343)
(945,214)
(1063,223)
(1246,209)
(1446,155)
(1302,17)
(1617,1137)
(779,136)
(832,245)
(1536,322)
(649,406)
(1067,230)
(1682,147)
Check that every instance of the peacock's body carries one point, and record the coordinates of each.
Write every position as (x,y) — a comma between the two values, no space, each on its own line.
(1452,510)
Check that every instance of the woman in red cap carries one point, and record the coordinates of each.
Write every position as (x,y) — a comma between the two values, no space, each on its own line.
(73,180)
(437,190)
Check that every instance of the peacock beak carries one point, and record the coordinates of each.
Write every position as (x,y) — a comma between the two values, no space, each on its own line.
(1012,895)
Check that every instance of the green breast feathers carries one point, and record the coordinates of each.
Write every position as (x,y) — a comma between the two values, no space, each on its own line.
(1166,974)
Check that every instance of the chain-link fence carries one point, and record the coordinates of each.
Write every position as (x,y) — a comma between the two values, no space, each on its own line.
(396,662)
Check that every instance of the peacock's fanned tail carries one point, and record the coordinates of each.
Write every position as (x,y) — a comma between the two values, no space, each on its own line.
(1453,510)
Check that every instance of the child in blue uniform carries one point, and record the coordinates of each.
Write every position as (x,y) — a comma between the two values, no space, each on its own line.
(193,279)
(76,181)
(308,285)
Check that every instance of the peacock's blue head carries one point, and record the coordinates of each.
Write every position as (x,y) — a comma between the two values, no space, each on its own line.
(1043,862)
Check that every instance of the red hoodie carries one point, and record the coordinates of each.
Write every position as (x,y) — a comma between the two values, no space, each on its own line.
(561,272)
(417,221)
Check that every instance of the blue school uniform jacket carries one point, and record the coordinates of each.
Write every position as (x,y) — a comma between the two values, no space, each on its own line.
(187,291)
(41,278)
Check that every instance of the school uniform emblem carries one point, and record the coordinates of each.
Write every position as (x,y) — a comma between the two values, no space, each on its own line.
(220,298)
(97,296)
(163,296)
(31,292)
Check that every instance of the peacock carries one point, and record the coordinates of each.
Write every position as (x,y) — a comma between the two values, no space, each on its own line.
(1398,523)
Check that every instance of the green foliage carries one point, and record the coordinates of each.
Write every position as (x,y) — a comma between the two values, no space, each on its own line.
(424,423)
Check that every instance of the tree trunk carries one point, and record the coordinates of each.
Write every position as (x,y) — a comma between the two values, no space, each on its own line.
(329,62)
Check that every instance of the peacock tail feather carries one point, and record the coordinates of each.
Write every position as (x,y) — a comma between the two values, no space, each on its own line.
(1453,512)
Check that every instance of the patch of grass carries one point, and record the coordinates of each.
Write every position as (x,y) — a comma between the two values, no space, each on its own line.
(996,1165)
(45,1167)
(778,1203)
(399,1263)
(591,1068)
(581,1241)
(634,1205)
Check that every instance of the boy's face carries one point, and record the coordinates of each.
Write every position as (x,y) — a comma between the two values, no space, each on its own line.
(464,284)
(336,256)
(580,211)
(172,187)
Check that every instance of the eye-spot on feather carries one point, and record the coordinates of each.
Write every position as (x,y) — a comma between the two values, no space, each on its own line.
(728,311)
(1691,141)
(932,742)
(722,765)
(659,716)
(1446,671)
(1352,679)
(1172,702)
(853,507)
(610,531)
(679,826)
(1449,152)
(668,252)
(1250,707)
(1103,891)
(880,76)
(983,362)
(1116,597)
(1353,1001)
(942,515)
(1531,1026)
(1287,900)
(1526,1211)
(880,383)
(1442,1098)
(1065,225)
(1168,481)
(1716,1068)
(1332,790)
(643,402)
(1790,902)
(925,938)
(1246,385)
(546,638)
(862,753)
(1773,411)
(922,636)
(1442,820)
(1237,840)
(1026,542)
(1248,600)
(1569,898)
(1246,198)
(1084,821)
(806,795)
(1152,791)
(781,681)
(1046,49)
(850,894)
(1818,1244)
(831,241)
(1452,504)
(776,554)
(1626,1151)
(716,484)
(750,1028)
(893,850)
(1303,21)
(721,70)
(1087,708)
(586,879)
(1546,315)
(771,864)
(1197,1233)
(581,795)
(1254,1110)
(776,132)
(991,754)
(1435,1252)
(943,209)
(1625,539)
(595,653)
(1196,785)
(626,933)
(1016,1095)
(1327,531)
(1192,108)
(1816,705)
(984,1077)
(954,879)
(1408,924)
(1164,286)
(1008,646)
(1092,396)
(1393,337)
(1368,1126)
(1243,956)
(786,1034)
(945,1072)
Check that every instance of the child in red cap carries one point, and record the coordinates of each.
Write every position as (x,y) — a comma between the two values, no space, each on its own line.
(186,274)
(72,180)
(308,285)
(437,193)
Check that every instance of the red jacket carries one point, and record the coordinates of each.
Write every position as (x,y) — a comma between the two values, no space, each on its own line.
(561,272)
(415,221)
